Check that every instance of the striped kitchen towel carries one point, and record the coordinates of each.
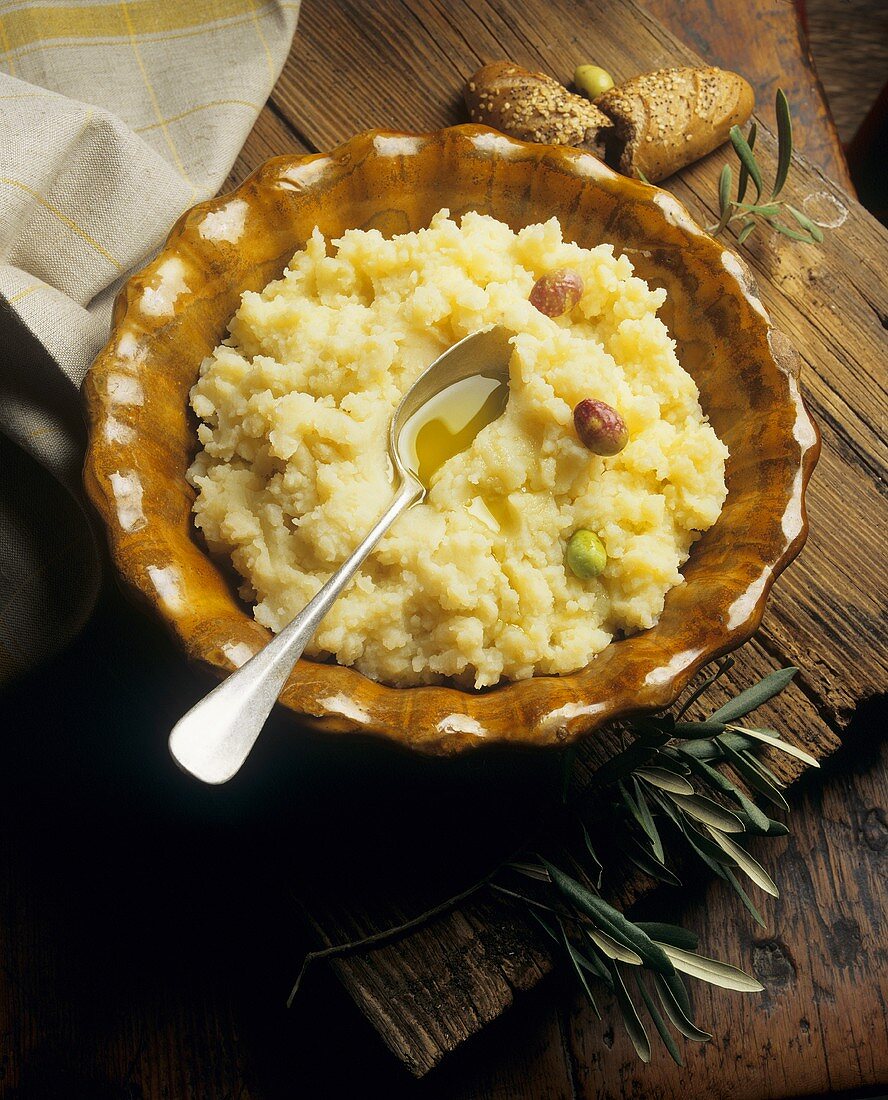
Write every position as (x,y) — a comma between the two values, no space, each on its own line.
(117,115)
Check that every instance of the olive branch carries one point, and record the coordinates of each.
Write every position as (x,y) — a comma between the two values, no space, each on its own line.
(664,790)
(770,211)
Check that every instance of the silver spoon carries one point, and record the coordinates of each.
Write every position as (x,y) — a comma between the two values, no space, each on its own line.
(215,737)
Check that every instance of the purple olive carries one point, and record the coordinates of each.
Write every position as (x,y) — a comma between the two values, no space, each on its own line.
(600,427)
(557,293)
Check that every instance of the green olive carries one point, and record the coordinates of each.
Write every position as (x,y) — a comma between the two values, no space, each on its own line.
(592,81)
(586,554)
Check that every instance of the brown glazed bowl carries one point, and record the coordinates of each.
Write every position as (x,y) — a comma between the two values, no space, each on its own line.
(175,311)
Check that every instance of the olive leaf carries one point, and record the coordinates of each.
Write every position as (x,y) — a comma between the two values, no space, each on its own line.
(771,210)
(753,697)
(721,668)
(711,970)
(612,948)
(665,780)
(747,901)
(746,229)
(749,165)
(744,171)
(631,1019)
(770,738)
(608,919)
(673,934)
(784,141)
(710,813)
(805,222)
(659,1022)
(674,999)
(575,956)
(746,863)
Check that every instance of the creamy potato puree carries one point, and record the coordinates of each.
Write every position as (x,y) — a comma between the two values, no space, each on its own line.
(472,583)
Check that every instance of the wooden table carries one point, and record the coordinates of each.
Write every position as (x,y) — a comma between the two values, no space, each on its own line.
(149,932)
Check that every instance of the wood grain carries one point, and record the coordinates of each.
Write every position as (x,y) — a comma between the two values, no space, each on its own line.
(411,58)
(768,42)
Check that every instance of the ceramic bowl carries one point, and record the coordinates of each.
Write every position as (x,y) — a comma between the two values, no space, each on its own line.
(174,312)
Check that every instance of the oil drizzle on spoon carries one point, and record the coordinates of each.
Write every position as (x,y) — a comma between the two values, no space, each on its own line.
(448,423)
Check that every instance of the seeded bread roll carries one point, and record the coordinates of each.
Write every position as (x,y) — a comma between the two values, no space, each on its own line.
(534,107)
(672,117)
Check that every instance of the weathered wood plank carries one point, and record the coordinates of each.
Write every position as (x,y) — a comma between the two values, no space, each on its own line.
(401,65)
(767,39)
(820,1024)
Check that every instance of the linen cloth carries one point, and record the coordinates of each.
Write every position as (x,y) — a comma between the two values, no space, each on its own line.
(116,117)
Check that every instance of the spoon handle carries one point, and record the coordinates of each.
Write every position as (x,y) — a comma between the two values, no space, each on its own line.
(215,737)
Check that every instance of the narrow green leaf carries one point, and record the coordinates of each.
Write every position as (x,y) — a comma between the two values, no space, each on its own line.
(724,189)
(745,230)
(631,1020)
(748,162)
(675,984)
(610,920)
(744,174)
(648,822)
(597,966)
(693,838)
(630,804)
(805,222)
(623,764)
(547,927)
(754,696)
(766,210)
(731,878)
(574,957)
(721,669)
(674,999)
(704,845)
(757,763)
(705,748)
(653,732)
(531,870)
(712,971)
(597,865)
(750,867)
(793,234)
(521,897)
(646,863)
(673,934)
(778,743)
(643,177)
(724,199)
(753,777)
(698,730)
(784,141)
(659,1022)
(758,820)
(665,780)
(607,945)
(669,761)
(710,813)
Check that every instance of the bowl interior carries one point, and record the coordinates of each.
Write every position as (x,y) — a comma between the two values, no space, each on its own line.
(172,314)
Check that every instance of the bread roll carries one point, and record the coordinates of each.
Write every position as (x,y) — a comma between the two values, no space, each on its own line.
(672,117)
(534,107)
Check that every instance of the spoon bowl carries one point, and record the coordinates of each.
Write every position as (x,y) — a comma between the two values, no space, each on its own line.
(214,738)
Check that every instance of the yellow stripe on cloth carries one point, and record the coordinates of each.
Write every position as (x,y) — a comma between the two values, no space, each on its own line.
(63,218)
(158,114)
(41,46)
(200,107)
(23,293)
(146,17)
(7,46)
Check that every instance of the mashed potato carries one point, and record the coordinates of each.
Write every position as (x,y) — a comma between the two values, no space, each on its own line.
(293,470)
